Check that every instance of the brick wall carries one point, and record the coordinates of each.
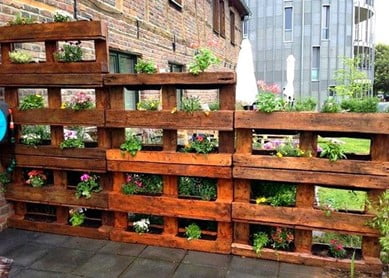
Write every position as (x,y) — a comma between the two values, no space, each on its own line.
(143,27)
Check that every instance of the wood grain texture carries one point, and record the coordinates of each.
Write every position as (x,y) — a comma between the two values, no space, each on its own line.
(220,120)
(311,121)
(33,80)
(55,67)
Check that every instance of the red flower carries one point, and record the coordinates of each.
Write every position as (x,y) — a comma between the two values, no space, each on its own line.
(200,138)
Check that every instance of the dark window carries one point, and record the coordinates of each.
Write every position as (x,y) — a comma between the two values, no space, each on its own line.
(315,63)
(215,14)
(232,27)
(177,68)
(325,22)
(288,24)
(124,63)
(222,19)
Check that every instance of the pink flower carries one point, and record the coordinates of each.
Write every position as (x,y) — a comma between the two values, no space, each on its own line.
(200,138)
(129,178)
(268,146)
(85,177)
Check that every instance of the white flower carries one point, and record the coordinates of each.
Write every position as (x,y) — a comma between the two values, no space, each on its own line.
(142,226)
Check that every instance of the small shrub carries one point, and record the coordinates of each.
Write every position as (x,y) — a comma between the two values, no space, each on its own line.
(20,57)
(291,149)
(308,104)
(148,105)
(77,216)
(21,20)
(214,106)
(31,102)
(87,186)
(143,66)
(132,145)
(260,240)
(36,178)
(34,135)
(61,17)
(70,52)
(269,102)
(275,194)
(337,249)
(142,183)
(193,231)
(200,144)
(360,105)
(141,226)
(202,60)
(333,150)
(331,106)
(191,104)
(203,187)
(80,101)
(72,140)
(281,238)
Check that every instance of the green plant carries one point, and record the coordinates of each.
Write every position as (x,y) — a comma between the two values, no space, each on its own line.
(352,266)
(281,238)
(191,104)
(31,102)
(87,186)
(274,194)
(132,145)
(141,226)
(380,222)
(333,150)
(214,106)
(260,240)
(143,66)
(20,57)
(34,135)
(193,231)
(203,187)
(36,178)
(142,183)
(77,216)
(360,105)
(59,17)
(331,106)
(21,20)
(73,139)
(4,180)
(337,249)
(70,52)
(291,149)
(80,101)
(203,59)
(148,104)
(269,102)
(200,144)
(308,104)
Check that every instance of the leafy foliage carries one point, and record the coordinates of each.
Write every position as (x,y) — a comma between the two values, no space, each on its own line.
(87,186)
(191,104)
(202,60)
(142,183)
(36,178)
(35,134)
(148,104)
(77,217)
(202,187)
(70,52)
(132,145)
(308,104)
(275,194)
(200,144)
(333,151)
(20,57)
(72,143)
(193,231)
(79,101)
(360,105)
(4,180)
(59,17)
(141,226)
(291,149)
(31,102)
(143,66)
(331,106)
(21,20)
(281,238)
(214,106)
(381,68)
(337,249)
(260,240)
(269,102)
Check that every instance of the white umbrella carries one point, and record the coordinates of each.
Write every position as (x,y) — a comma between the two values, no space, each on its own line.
(289,89)
(246,86)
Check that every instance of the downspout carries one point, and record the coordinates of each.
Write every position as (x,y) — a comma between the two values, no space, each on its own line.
(302,48)
(75,9)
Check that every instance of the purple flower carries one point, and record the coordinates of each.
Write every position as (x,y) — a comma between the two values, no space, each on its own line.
(268,146)
(319,149)
(70,134)
(85,177)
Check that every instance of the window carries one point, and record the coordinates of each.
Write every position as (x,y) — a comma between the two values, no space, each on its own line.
(177,3)
(222,18)
(219,20)
(124,63)
(288,24)
(173,67)
(215,14)
(232,27)
(315,63)
(325,22)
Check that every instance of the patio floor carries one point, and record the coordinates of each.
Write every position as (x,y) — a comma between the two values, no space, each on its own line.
(47,255)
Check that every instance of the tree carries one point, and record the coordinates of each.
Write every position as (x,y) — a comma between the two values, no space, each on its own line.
(381,70)
(351,81)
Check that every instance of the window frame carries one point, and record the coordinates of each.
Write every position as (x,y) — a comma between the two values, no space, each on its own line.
(315,67)
(291,24)
(222,18)
(215,16)
(232,28)
(325,22)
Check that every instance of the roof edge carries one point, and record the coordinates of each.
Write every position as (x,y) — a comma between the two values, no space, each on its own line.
(241,6)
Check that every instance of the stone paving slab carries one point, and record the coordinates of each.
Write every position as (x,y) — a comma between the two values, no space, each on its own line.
(26,254)
(207,259)
(124,249)
(162,253)
(251,266)
(194,271)
(146,268)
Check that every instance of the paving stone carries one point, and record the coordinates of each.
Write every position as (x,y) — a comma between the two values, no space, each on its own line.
(86,244)
(104,265)
(62,259)
(18,235)
(125,249)
(256,267)
(195,271)
(301,271)
(27,253)
(52,239)
(209,259)
(146,268)
(163,253)
(32,273)
(238,274)
(8,245)
(15,270)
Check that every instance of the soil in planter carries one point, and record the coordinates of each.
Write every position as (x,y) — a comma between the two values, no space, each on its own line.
(322,250)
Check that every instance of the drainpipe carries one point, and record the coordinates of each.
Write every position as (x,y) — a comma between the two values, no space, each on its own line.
(75,9)
(302,48)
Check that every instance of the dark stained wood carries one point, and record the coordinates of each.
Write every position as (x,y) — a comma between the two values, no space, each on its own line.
(62,214)
(244,141)
(311,121)
(116,99)
(55,68)
(241,232)
(102,102)
(50,47)
(33,80)
(173,207)
(76,30)
(220,120)
(330,179)
(54,99)
(5,49)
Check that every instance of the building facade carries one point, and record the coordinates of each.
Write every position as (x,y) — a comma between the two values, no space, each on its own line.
(317,33)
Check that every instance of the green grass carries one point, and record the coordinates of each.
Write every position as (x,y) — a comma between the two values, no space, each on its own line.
(341,199)
(352,145)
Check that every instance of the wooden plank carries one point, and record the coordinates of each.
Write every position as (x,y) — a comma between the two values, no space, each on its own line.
(54,195)
(171,78)
(100,233)
(225,190)
(102,103)
(51,80)
(116,101)
(172,241)
(6,48)
(50,48)
(60,116)
(172,158)
(173,207)
(244,141)
(62,163)
(370,265)
(311,121)
(55,68)
(303,218)
(313,164)
(220,120)
(45,150)
(170,169)
(76,30)
(54,100)
(330,179)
